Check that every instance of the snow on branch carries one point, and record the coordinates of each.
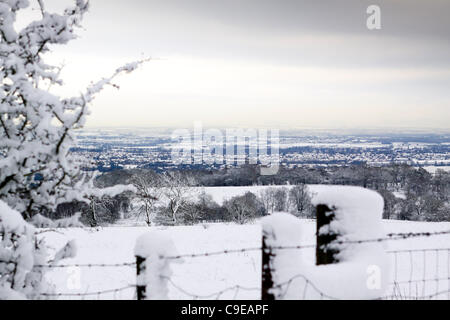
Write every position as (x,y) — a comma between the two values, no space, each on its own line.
(37,128)
(20,251)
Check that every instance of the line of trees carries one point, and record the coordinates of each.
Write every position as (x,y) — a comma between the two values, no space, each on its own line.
(410,193)
(175,197)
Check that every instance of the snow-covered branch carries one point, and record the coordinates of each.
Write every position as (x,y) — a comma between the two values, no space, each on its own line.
(37,128)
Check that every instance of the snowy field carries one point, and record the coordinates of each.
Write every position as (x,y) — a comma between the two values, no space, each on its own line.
(204,277)
(220,194)
(433,169)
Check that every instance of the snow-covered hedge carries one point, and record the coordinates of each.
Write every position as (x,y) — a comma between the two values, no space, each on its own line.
(362,269)
(20,252)
(39,221)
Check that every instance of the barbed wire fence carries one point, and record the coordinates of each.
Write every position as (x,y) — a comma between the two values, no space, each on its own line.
(411,270)
(408,280)
(414,281)
(411,280)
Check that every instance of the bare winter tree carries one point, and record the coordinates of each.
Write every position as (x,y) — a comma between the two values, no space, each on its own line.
(244,208)
(281,199)
(391,204)
(37,128)
(192,213)
(98,204)
(300,199)
(101,200)
(148,192)
(267,197)
(179,190)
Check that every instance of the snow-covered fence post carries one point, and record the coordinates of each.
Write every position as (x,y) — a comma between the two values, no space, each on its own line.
(279,230)
(155,252)
(350,261)
(140,271)
(266,273)
(344,212)
(324,253)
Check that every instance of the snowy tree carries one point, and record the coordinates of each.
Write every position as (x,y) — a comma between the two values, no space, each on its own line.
(273,199)
(192,213)
(391,204)
(37,128)
(102,199)
(95,205)
(179,190)
(244,208)
(300,199)
(148,193)
(22,255)
(267,198)
(281,199)
(441,184)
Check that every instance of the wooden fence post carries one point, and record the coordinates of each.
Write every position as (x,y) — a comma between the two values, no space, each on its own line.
(267,262)
(325,255)
(140,272)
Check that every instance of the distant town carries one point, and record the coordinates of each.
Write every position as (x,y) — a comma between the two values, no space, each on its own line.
(111,149)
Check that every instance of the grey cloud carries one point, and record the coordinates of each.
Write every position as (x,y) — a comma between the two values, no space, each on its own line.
(414,32)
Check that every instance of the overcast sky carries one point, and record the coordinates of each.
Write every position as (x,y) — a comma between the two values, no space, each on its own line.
(265,63)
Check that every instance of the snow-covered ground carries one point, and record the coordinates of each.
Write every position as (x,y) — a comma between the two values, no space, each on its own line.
(217,276)
(433,169)
(220,194)
(203,276)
